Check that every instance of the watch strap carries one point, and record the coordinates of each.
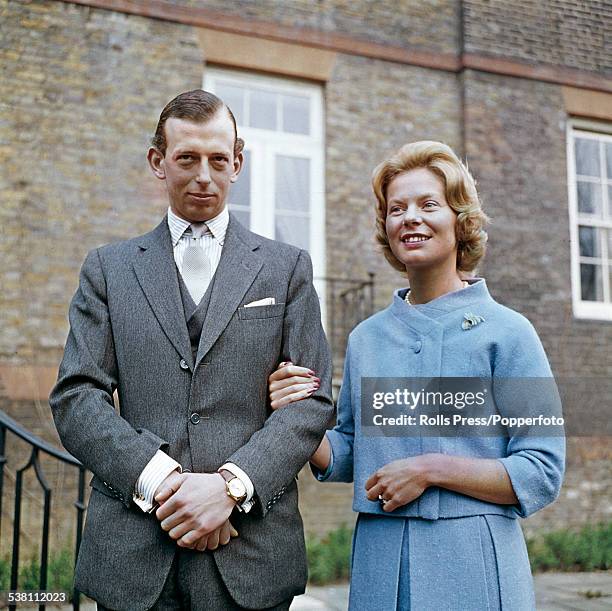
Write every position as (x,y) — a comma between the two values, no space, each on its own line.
(228,476)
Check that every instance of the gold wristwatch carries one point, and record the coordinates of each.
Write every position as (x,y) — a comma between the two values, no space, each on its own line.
(234,486)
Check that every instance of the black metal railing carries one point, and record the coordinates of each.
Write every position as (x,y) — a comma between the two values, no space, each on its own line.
(348,301)
(38,447)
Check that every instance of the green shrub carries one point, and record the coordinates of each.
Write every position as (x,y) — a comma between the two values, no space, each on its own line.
(29,575)
(5,574)
(588,549)
(59,575)
(61,572)
(329,557)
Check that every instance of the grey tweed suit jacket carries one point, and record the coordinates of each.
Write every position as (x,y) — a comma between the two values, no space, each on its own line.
(128,333)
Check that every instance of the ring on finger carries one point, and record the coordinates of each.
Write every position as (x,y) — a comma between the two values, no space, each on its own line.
(383,501)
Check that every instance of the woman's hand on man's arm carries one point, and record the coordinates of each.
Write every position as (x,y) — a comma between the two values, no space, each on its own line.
(291,383)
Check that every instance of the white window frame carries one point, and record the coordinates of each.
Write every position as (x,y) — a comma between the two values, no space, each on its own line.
(594,310)
(264,144)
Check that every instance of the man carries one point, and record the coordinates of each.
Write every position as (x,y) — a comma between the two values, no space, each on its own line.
(186,323)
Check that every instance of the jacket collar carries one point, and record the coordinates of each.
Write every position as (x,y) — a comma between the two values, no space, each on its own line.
(237,269)
(157,275)
(424,317)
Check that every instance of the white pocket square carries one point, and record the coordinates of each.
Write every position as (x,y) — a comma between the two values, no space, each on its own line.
(261,302)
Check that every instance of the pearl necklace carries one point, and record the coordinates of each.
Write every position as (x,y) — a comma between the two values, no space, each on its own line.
(465,284)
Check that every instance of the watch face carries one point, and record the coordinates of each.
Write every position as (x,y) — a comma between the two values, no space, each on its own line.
(236,488)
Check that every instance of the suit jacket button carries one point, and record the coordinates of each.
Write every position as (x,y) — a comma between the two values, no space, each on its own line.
(183,364)
(194,418)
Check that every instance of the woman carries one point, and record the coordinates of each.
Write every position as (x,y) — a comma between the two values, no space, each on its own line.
(437,524)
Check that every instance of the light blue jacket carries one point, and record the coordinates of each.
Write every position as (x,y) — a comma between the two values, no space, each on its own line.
(430,341)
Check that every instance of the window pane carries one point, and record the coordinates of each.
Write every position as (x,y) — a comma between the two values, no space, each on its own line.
(587,157)
(292,183)
(263,109)
(233,96)
(589,241)
(296,114)
(293,230)
(241,189)
(589,198)
(609,158)
(590,282)
(609,232)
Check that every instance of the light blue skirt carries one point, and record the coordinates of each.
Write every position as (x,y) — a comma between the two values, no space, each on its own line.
(477,563)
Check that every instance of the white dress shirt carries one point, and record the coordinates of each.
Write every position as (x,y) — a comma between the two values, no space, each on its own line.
(210,237)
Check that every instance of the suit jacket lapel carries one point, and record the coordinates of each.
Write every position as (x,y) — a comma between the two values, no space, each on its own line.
(157,275)
(237,269)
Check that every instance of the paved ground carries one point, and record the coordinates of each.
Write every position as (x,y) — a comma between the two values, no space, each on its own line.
(554,592)
(574,591)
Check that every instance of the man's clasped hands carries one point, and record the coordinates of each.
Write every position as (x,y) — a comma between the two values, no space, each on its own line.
(194,509)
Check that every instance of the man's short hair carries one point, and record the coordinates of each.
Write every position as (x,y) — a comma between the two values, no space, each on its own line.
(198,106)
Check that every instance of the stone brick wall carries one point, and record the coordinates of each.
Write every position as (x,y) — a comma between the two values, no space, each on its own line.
(373,107)
(426,24)
(585,495)
(83,88)
(515,137)
(570,33)
(516,147)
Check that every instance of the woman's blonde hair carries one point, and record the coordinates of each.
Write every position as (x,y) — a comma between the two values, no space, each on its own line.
(460,192)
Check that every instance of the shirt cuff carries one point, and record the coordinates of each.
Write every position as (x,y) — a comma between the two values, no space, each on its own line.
(248,502)
(156,471)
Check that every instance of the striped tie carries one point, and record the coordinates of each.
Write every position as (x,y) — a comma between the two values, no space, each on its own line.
(196,266)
